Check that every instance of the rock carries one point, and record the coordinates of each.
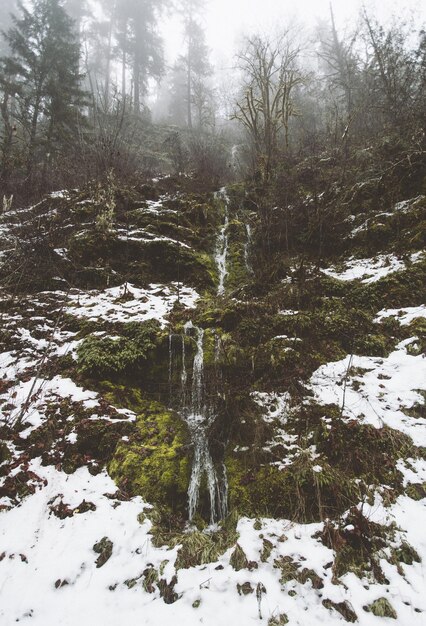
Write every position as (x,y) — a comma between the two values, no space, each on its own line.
(381,608)
(245,589)
(104,549)
(344,608)
(238,559)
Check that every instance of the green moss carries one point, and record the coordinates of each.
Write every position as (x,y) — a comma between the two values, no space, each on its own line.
(266,550)
(381,608)
(416,491)
(104,549)
(154,463)
(295,492)
(102,356)
(122,396)
(238,559)
(287,567)
(198,547)
(406,554)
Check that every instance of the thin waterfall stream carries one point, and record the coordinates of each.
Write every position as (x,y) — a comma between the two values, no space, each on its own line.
(222,243)
(247,247)
(199,416)
(195,407)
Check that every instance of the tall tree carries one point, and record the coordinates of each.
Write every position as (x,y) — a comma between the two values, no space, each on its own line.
(142,44)
(100,44)
(392,70)
(266,104)
(194,63)
(46,84)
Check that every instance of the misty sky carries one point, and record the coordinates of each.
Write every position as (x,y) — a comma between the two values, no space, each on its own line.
(226,20)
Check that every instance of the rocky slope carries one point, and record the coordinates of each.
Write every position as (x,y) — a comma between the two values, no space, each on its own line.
(182,440)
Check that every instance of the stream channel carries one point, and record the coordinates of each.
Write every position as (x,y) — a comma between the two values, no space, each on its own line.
(195,404)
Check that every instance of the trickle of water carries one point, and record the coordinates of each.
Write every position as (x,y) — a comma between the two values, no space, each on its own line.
(234,159)
(183,374)
(199,418)
(247,247)
(222,244)
(170,362)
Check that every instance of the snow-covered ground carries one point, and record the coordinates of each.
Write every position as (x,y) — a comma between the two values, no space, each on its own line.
(384,392)
(49,575)
(371,270)
(48,566)
(404,316)
(131,304)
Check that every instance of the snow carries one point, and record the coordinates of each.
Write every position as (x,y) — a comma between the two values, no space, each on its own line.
(139,305)
(389,388)
(37,549)
(371,270)
(41,391)
(400,207)
(55,550)
(275,405)
(404,316)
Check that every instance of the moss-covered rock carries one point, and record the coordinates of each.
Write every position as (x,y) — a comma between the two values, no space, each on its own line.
(155,462)
(381,608)
(100,357)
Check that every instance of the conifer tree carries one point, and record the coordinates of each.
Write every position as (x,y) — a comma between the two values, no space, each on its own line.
(43,70)
(195,64)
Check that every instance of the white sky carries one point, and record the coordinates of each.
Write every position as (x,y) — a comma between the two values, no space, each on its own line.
(226,20)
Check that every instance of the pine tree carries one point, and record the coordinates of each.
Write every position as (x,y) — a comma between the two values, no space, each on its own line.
(46,82)
(195,65)
(140,44)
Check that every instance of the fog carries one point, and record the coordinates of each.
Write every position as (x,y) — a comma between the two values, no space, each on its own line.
(227,21)
(152,85)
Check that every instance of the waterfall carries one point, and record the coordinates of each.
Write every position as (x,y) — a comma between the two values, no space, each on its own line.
(199,418)
(222,244)
(234,159)
(247,247)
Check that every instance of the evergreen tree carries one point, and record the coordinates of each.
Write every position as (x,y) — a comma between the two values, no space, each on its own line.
(140,44)
(195,65)
(46,81)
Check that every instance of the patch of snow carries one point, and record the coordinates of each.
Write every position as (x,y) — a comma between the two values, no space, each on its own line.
(140,305)
(275,405)
(389,389)
(371,270)
(41,550)
(404,316)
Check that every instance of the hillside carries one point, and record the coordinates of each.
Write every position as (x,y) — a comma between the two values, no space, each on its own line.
(193,431)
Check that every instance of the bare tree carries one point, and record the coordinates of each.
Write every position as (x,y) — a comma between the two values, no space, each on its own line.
(271,75)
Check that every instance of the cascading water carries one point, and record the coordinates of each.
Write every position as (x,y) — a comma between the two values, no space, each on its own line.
(194,407)
(247,247)
(222,244)
(199,418)
(234,163)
